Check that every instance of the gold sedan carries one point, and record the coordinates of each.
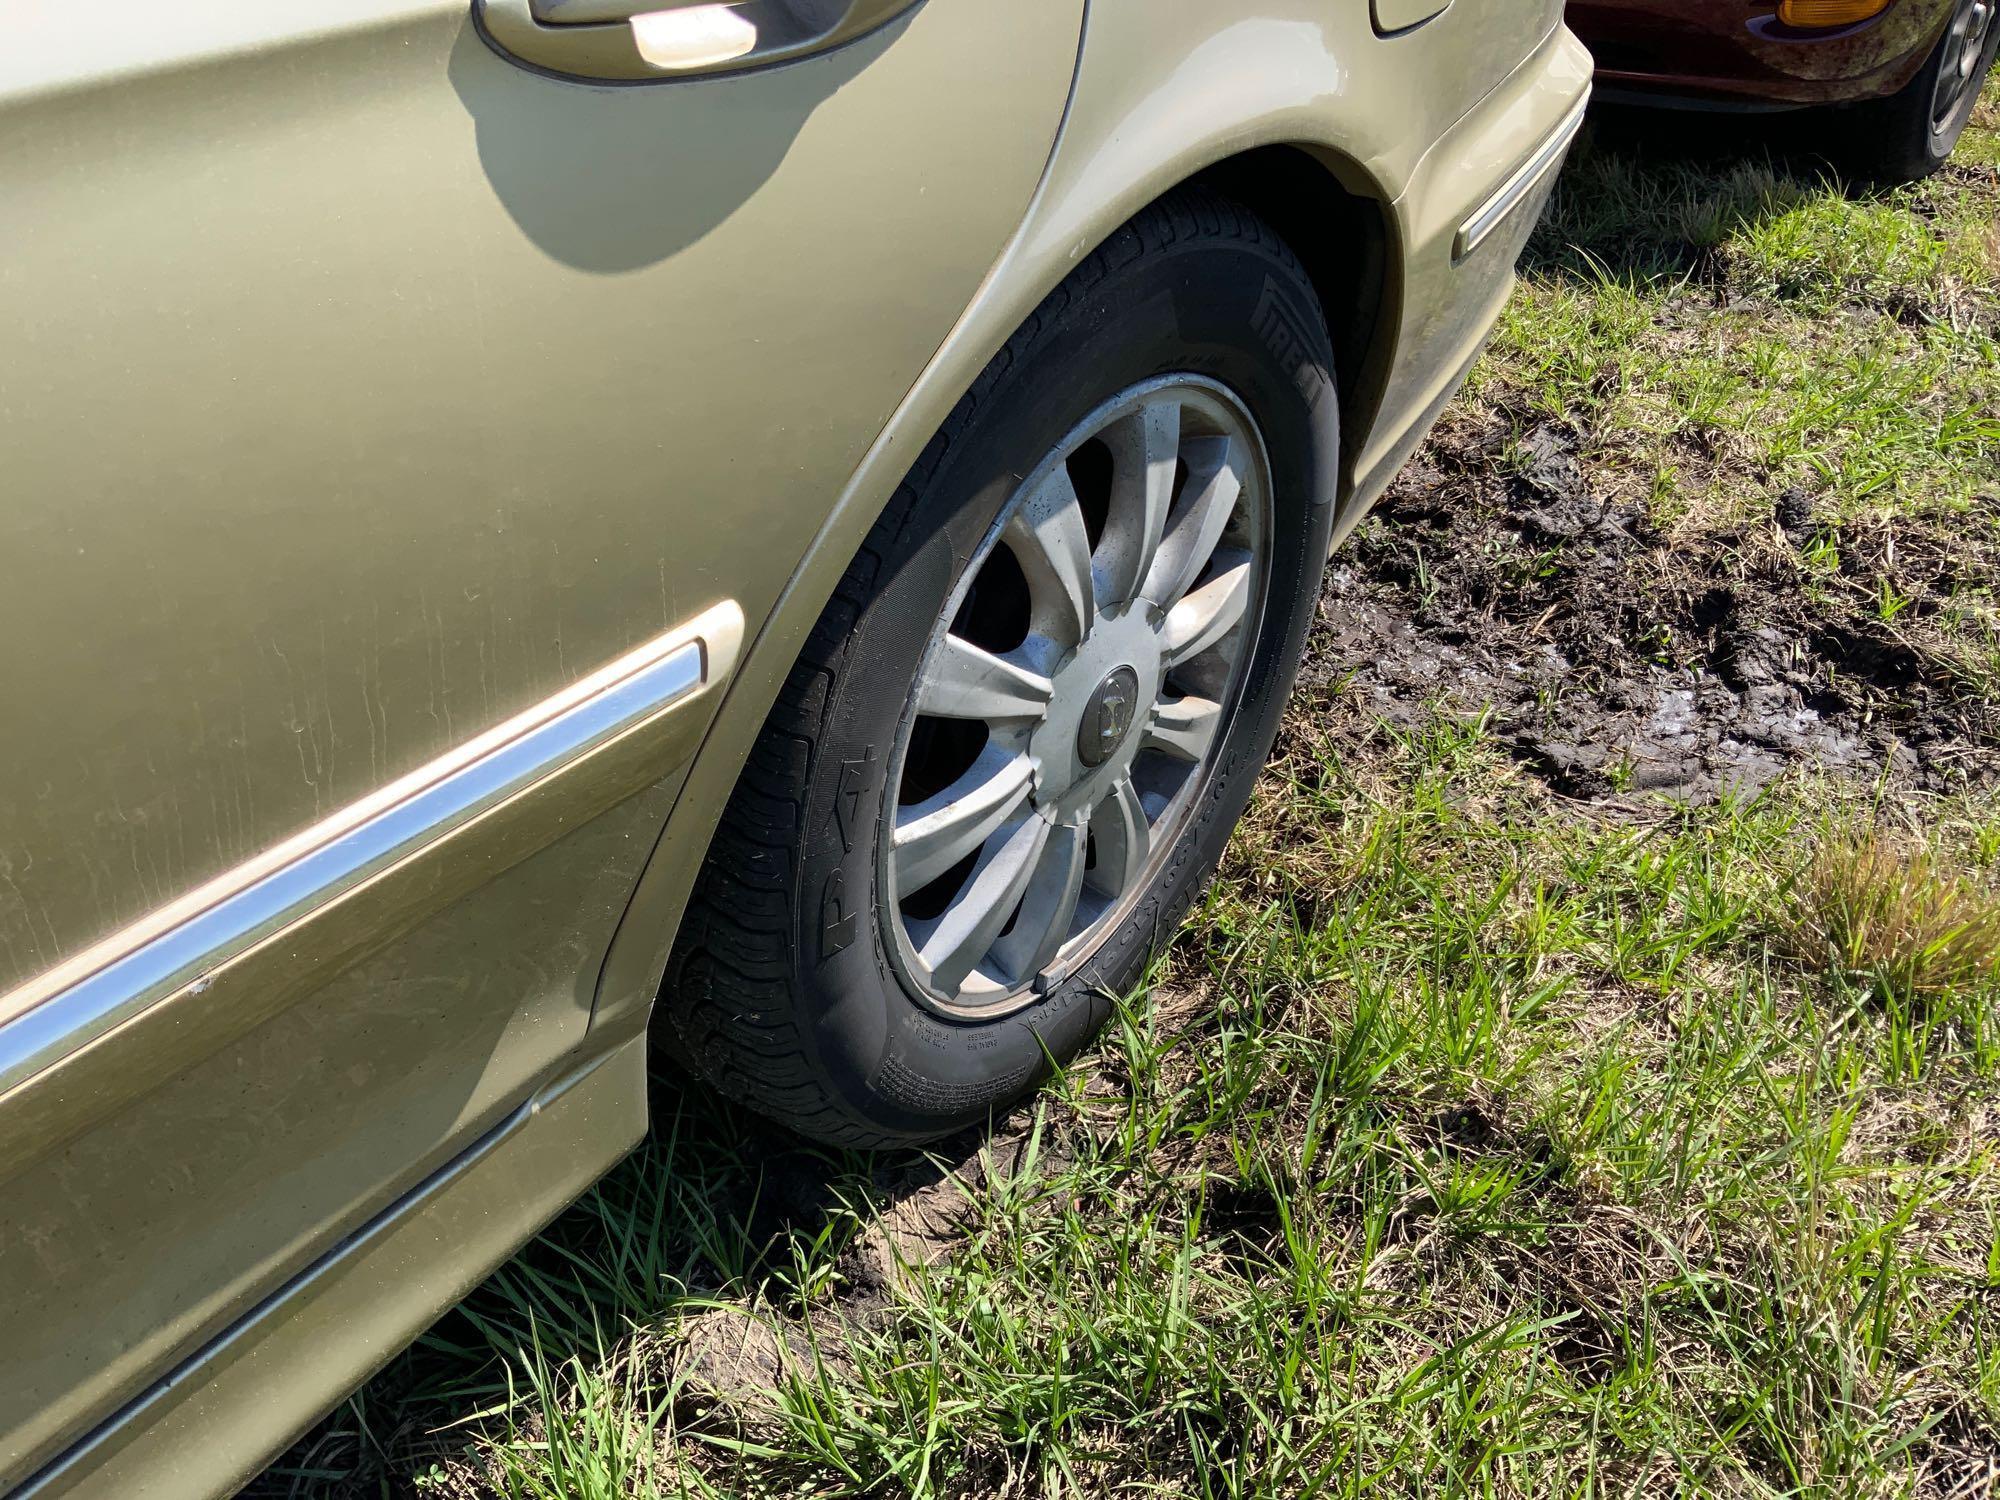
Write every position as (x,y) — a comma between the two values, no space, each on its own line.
(777,532)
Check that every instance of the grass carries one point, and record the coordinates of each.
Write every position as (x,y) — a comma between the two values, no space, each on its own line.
(1856,350)
(1474,1137)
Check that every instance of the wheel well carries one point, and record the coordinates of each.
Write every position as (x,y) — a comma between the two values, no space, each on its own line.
(1343,239)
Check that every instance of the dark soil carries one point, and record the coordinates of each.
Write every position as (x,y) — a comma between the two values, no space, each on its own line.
(1617,660)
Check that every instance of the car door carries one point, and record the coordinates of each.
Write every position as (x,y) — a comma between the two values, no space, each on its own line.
(398,441)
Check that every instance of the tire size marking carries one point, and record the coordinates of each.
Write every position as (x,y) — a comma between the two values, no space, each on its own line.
(847,798)
(837,919)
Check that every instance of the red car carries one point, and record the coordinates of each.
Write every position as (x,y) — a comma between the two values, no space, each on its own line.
(1896,79)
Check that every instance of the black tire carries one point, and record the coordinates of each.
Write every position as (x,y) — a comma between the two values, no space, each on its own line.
(1906,137)
(779,990)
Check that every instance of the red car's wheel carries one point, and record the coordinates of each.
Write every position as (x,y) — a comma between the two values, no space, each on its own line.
(1911,133)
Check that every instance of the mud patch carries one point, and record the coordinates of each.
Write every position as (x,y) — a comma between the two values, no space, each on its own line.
(918,1209)
(730,1365)
(1616,659)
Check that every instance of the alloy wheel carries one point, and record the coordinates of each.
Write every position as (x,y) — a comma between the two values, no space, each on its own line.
(1964,47)
(1073,696)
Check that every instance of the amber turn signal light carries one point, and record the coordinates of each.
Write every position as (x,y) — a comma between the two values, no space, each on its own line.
(1828,12)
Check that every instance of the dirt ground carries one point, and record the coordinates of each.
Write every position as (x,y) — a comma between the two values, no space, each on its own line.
(1688,530)
(1619,660)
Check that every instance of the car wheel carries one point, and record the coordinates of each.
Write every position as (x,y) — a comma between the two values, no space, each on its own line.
(1026,723)
(1912,133)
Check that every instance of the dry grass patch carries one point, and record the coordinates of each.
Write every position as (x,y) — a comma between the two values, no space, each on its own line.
(1895,913)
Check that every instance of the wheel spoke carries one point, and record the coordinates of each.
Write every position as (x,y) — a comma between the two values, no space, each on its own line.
(933,835)
(1183,727)
(1210,612)
(1145,452)
(953,946)
(963,681)
(1048,907)
(1215,479)
(1124,837)
(1048,538)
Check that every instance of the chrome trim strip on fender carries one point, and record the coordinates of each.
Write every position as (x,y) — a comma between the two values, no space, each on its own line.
(82,998)
(1526,178)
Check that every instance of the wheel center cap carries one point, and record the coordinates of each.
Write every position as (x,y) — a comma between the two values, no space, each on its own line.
(1107,717)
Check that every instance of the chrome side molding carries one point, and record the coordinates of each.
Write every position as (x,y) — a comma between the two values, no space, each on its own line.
(600,1102)
(1526,178)
(80,999)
